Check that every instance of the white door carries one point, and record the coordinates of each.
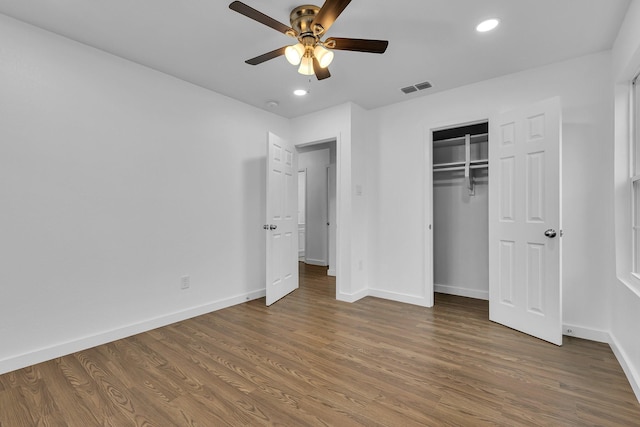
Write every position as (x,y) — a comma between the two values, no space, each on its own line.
(525,289)
(281,225)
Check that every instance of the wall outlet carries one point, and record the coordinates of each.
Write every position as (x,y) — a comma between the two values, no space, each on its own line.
(185,282)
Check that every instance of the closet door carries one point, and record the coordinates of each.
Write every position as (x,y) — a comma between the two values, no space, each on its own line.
(525,289)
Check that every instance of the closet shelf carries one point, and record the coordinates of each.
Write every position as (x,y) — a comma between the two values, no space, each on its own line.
(454,148)
(460,140)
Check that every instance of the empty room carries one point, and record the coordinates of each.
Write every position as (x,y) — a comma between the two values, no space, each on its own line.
(350,213)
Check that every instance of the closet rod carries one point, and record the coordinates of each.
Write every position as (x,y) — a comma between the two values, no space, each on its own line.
(461,168)
(455,138)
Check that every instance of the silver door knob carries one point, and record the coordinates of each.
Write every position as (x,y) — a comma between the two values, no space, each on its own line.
(273,227)
(550,233)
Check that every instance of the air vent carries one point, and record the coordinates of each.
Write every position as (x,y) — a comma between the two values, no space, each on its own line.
(416,87)
(424,85)
(409,89)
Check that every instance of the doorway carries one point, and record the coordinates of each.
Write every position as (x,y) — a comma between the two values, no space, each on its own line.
(316,204)
(460,197)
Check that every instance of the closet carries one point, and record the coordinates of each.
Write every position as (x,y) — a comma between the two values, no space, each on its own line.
(460,210)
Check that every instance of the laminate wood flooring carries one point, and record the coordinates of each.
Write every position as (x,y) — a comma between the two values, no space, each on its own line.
(312,360)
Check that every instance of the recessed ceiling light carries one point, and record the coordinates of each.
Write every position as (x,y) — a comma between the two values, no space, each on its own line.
(487,25)
(300,92)
(272,104)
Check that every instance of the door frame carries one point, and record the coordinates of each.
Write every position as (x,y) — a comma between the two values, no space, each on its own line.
(429,288)
(331,241)
(339,236)
(304,255)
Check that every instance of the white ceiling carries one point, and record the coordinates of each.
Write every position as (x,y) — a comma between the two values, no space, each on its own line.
(205,43)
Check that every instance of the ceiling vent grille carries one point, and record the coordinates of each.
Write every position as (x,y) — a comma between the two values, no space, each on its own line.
(409,89)
(416,87)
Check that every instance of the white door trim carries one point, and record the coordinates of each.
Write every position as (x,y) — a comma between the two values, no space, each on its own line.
(429,287)
(343,169)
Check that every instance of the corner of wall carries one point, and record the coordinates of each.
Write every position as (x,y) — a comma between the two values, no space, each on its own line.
(352,297)
(623,358)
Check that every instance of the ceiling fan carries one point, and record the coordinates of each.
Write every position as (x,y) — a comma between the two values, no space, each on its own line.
(308,24)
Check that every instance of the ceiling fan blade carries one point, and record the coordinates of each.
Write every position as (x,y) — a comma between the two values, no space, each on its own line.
(321,73)
(357,45)
(266,56)
(256,15)
(329,12)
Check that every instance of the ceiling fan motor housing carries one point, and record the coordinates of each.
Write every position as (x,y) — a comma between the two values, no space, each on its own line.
(301,19)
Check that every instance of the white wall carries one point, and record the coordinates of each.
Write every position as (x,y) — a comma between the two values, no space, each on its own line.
(461,234)
(315,162)
(398,216)
(115,181)
(624,288)
(363,145)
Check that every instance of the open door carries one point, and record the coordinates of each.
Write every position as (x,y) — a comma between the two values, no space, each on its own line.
(281,225)
(525,230)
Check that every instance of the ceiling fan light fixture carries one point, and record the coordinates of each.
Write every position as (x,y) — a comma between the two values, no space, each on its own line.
(294,53)
(306,66)
(324,56)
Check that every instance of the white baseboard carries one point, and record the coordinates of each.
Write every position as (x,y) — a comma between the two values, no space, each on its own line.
(599,335)
(630,371)
(352,297)
(462,292)
(585,333)
(331,272)
(319,262)
(393,296)
(82,343)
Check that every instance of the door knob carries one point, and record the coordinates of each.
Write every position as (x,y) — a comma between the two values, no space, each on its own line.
(273,227)
(550,233)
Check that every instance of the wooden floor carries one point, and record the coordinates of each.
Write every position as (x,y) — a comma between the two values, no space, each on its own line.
(311,360)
